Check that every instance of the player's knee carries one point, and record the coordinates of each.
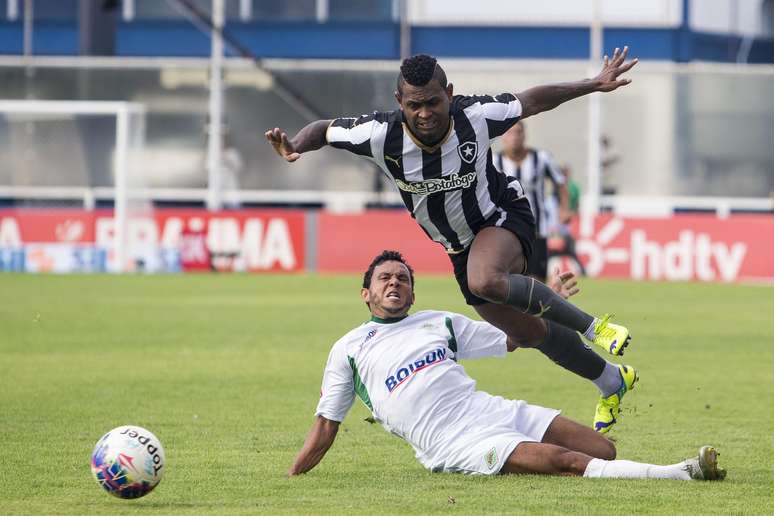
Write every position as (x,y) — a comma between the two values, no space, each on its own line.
(492,287)
(528,334)
(607,450)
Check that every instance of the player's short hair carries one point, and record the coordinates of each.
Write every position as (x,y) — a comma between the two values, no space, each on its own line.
(386,256)
(419,70)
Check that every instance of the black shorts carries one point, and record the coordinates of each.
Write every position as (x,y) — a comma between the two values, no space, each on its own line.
(515,215)
(537,265)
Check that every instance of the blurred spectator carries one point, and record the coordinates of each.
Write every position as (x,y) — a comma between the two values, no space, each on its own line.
(534,169)
(561,241)
(573,194)
(609,161)
(231,167)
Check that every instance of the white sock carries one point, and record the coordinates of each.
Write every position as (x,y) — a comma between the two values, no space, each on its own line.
(609,381)
(599,468)
(589,333)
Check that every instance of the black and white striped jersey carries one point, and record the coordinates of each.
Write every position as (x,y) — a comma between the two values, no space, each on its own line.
(451,188)
(532,172)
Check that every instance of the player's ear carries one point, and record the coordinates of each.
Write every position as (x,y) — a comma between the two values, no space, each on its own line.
(364,294)
(450,90)
(398,96)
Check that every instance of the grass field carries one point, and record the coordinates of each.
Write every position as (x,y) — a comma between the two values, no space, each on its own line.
(226,371)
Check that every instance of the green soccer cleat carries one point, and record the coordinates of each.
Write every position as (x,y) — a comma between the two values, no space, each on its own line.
(705,466)
(608,408)
(613,338)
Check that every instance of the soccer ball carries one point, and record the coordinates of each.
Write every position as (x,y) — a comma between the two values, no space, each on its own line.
(128,462)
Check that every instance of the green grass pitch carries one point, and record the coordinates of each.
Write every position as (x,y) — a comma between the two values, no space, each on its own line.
(226,371)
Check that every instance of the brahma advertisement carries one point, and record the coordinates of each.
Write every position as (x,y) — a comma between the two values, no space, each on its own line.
(57,240)
(678,248)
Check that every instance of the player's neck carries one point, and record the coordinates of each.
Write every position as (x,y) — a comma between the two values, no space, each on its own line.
(386,319)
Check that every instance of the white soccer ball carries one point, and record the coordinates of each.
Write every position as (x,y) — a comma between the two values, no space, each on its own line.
(128,461)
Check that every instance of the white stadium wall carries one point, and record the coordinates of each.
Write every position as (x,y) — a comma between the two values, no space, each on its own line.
(742,17)
(657,13)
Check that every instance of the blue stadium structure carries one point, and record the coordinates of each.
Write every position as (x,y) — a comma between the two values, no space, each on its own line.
(291,29)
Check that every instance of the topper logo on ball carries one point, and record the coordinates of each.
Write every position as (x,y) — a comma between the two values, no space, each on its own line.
(146,441)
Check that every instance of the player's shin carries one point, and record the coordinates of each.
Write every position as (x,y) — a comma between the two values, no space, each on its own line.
(536,298)
(566,348)
(599,468)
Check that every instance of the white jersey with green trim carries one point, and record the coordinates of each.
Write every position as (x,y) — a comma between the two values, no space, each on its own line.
(406,372)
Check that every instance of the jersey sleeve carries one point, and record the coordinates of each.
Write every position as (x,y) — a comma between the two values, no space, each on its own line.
(475,339)
(501,112)
(553,172)
(363,136)
(338,390)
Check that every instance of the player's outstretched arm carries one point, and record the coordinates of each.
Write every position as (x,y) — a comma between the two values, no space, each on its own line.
(317,444)
(544,98)
(310,138)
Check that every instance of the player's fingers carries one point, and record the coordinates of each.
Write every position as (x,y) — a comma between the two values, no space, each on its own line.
(571,284)
(605,61)
(624,53)
(621,55)
(292,157)
(573,291)
(628,66)
(565,275)
(614,85)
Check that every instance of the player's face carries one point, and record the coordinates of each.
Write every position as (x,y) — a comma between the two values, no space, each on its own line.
(426,110)
(391,293)
(513,138)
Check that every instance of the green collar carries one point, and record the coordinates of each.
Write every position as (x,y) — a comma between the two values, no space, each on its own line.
(388,320)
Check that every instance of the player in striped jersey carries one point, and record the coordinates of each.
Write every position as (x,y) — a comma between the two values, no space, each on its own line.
(436,149)
(532,168)
(404,369)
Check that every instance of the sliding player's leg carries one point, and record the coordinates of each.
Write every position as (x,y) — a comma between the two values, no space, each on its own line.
(550,459)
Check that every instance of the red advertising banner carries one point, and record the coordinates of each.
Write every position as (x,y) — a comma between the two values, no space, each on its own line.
(251,240)
(348,243)
(679,248)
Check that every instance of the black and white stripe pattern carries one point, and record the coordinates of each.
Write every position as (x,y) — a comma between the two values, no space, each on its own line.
(532,173)
(452,188)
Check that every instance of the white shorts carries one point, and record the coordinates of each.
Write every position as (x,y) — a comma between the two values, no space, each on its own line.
(484,441)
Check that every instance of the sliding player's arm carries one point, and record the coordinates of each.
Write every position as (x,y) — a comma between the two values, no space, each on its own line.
(310,138)
(336,397)
(544,98)
(317,444)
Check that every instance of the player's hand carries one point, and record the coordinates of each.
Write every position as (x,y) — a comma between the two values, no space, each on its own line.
(565,284)
(613,67)
(282,146)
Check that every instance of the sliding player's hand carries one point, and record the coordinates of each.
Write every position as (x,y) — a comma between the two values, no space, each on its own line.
(565,284)
(612,68)
(282,145)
